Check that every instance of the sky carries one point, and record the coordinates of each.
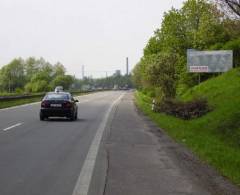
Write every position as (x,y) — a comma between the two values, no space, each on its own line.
(98,34)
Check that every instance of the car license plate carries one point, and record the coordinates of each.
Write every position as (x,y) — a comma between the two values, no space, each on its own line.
(56,105)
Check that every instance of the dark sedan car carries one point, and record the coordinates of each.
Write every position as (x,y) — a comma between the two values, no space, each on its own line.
(60,104)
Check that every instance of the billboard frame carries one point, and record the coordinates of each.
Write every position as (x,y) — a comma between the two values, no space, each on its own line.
(209,61)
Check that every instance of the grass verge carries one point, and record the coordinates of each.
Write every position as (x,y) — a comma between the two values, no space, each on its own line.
(214,138)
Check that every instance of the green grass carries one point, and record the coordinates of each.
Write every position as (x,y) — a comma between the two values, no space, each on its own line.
(215,137)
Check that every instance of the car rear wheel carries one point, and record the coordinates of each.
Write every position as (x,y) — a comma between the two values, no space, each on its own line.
(42,117)
(72,117)
(76,116)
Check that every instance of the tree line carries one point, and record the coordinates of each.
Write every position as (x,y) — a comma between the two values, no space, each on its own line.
(33,75)
(199,24)
(121,81)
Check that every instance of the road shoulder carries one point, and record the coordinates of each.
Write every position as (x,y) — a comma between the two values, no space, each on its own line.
(136,157)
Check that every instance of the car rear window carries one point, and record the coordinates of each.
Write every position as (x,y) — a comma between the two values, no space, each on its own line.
(57,97)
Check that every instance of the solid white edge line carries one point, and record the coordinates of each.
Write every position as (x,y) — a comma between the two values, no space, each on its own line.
(84,179)
(20,106)
(13,126)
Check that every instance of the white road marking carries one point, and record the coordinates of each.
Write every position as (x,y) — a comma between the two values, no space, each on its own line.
(84,179)
(84,101)
(13,126)
(89,100)
(14,107)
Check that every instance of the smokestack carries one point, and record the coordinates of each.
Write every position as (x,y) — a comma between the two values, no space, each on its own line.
(83,72)
(127,66)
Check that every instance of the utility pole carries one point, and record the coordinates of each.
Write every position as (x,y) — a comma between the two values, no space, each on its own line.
(127,66)
(82,71)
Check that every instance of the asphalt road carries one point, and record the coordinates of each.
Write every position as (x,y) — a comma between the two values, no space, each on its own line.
(111,149)
(46,157)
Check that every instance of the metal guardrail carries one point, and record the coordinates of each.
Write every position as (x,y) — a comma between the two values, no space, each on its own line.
(6,98)
(26,96)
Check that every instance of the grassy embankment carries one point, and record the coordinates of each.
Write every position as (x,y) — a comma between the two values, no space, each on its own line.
(215,137)
(17,102)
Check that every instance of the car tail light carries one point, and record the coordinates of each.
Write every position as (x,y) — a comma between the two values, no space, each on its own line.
(67,105)
(45,104)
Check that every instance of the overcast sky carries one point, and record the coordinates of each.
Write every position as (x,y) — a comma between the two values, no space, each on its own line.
(99,34)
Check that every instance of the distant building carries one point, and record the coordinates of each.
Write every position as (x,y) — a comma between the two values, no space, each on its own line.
(115,87)
(117,73)
(86,87)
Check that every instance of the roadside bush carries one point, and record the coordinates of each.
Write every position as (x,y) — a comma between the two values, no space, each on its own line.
(37,86)
(161,73)
(184,110)
(28,87)
(151,93)
(62,80)
(159,95)
(19,90)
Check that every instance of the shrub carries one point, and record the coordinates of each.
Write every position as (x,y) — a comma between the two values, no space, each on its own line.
(18,90)
(37,86)
(184,110)
(28,88)
(151,93)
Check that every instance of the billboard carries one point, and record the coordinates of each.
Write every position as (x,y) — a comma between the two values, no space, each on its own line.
(209,61)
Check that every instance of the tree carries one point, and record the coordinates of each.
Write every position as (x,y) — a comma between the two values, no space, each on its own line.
(37,86)
(203,24)
(63,80)
(33,75)
(161,73)
(12,75)
(153,46)
(172,34)
(199,24)
(31,67)
(59,69)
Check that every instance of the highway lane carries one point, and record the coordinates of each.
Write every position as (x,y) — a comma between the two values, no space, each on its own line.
(112,149)
(15,115)
(46,157)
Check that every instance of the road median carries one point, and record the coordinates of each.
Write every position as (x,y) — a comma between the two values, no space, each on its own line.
(17,100)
